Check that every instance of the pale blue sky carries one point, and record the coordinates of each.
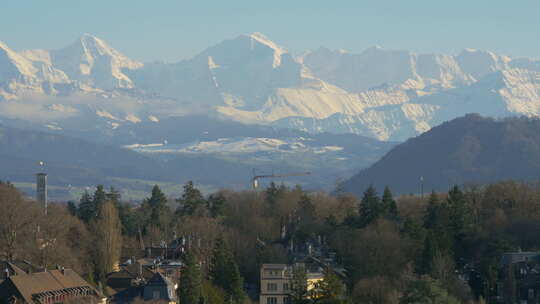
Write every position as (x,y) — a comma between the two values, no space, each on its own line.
(172,30)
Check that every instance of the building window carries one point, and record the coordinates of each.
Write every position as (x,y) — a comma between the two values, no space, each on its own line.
(272,286)
(271,300)
(285,286)
(287,300)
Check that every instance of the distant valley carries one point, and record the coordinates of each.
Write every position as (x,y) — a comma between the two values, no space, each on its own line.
(212,159)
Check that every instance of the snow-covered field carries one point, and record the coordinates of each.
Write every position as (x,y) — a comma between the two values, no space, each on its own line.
(240,145)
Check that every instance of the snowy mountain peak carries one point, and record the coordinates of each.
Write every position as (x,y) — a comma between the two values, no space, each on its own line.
(88,36)
(470,50)
(3,45)
(94,46)
(91,43)
(478,63)
(262,39)
(266,41)
(13,65)
(383,93)
(92,61)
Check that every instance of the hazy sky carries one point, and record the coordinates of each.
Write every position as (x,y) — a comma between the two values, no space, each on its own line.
(173,30)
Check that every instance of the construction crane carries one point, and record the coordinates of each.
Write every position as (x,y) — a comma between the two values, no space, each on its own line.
(255,179)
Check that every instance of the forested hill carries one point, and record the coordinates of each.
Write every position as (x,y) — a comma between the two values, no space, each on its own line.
(467,149)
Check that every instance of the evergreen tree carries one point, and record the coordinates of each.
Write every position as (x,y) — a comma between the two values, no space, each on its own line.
(461,221)
(430,252)
(216,205)
(224,272)
(389,205)
(218,264)
(87,209)
(99,198)
(236,288)
(192,201)
(413,229)
(130,218)
(190,285)
(213,294)
(330,290)
(272,193)
(113,196)
(306,208)
(427,291)
(432,212)
(299,288)
(370,207)
(72,208)
(157,205)
(460,212)
(439,239)
(438,219)
(90,205)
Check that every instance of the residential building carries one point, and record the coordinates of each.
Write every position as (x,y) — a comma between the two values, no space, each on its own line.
(277,280)
(519,278)
(275,283)
(144,279)
(126,284)
(12,268)
(48,287)
(160,288)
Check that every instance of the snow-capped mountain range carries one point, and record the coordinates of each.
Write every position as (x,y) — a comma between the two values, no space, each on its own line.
(384,94)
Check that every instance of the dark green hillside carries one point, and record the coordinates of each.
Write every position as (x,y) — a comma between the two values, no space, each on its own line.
(467,149)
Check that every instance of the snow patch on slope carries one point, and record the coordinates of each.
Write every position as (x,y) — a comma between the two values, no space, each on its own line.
(278,50)
(236,145)
(92,61)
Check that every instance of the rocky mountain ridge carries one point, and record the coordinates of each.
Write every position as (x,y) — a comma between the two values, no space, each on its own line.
(384,94)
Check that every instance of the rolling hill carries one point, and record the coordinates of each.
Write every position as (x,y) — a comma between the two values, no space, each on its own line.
(469,149)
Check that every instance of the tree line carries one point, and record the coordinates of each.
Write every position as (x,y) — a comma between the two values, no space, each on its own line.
(442,248)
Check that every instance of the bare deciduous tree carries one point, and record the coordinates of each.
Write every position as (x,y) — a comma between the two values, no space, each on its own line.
(18,222)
